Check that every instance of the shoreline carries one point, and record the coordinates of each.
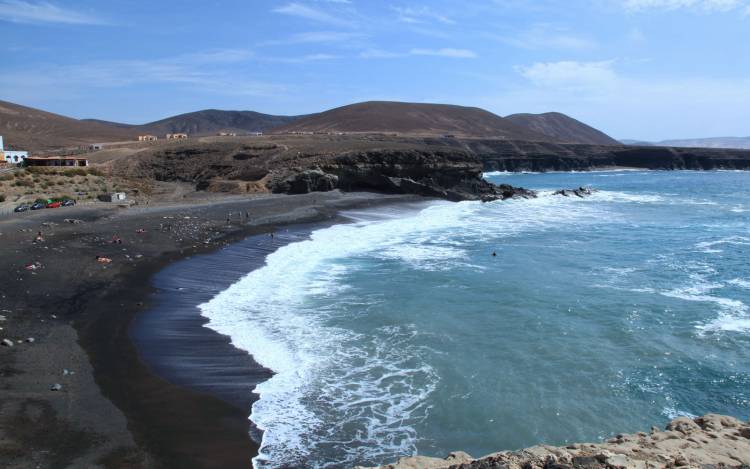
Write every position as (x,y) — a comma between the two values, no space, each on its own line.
(81,376)
(172,337)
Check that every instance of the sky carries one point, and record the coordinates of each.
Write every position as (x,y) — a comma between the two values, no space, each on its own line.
(636,69)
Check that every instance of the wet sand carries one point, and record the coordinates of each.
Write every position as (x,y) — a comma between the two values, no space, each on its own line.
(113,408)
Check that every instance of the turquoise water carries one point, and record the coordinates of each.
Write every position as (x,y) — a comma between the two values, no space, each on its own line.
(401,334)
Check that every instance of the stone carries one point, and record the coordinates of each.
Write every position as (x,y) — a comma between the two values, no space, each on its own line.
(30,340)
(7,343)
(55,387)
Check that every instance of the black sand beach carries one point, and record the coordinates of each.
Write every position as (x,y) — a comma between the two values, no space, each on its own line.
(171,338)
(79,394)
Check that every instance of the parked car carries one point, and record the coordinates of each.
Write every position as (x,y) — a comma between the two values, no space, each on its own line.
(54,205)
(38,205)
(68,203)
(22,208)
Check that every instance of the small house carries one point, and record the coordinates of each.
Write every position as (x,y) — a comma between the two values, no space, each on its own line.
(96,146)
(147,138)
(12,156)
(177,136)
(66,161)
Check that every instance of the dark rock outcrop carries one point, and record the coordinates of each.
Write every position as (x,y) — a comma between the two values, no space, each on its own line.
(509,155)
(451,175)
(580,192)
(303,182)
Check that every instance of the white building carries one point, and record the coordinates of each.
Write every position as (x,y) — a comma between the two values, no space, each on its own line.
(11,156)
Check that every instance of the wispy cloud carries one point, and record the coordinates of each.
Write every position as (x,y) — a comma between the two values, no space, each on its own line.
(210,71)
(590,90)
(444,52)
(20,11)
(420,14)
(301,10)
(569,74)
(698,5)
(314,37)
(546,36)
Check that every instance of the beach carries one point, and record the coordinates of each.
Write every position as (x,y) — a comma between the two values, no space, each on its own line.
(75,390)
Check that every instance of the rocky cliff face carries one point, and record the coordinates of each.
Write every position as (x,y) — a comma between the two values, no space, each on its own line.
(507,155)
(452,175)
(711,441)
(447,168)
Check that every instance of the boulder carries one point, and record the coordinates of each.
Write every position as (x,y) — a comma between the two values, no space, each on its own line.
(304,182)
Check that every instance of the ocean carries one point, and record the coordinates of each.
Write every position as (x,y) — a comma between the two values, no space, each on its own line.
(400,333)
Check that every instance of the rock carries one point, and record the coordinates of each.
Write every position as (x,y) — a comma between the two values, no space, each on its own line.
(304,182)
(55,387)
(618,460)
(30,340)
(7,343)
(683,425)
(580,192)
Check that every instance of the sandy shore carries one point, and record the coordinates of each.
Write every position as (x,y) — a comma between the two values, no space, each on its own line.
(75,392)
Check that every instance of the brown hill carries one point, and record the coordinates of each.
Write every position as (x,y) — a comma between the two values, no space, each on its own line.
(561,128)
(31,129)
(210,121)
(413,119)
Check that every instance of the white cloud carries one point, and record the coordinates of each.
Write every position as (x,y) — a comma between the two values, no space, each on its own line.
(421,14)
(545,36)
(570,74)
(20,11)
(211,71)
(446,52)
(703,5)
(314,37)
(380,54)
(304,11)
(653,108)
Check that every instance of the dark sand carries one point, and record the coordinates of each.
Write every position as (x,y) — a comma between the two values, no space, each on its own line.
(112,409)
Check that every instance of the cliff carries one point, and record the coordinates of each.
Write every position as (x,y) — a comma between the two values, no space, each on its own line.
(711,441)
(509,155)
(238,167)
(448,168)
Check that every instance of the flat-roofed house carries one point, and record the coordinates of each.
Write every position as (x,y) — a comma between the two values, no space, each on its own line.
(177,136)
(56,161)
(11,156)
(147,138)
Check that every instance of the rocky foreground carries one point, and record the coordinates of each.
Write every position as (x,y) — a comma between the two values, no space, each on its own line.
(711,441)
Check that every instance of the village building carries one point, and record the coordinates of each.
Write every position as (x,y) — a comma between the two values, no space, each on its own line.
(96,146)
(11,156)
(177,136)
(227,134)
(147,138)
(67,161)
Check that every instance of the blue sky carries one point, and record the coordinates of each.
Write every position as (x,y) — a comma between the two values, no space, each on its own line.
(644,69)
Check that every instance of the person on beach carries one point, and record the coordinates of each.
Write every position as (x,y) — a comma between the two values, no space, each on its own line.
(39,238)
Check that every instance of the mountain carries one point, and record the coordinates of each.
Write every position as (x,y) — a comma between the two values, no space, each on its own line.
(31,129)
(210,121)
(716,142)
(561,128)
(27,128)
(413,119)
